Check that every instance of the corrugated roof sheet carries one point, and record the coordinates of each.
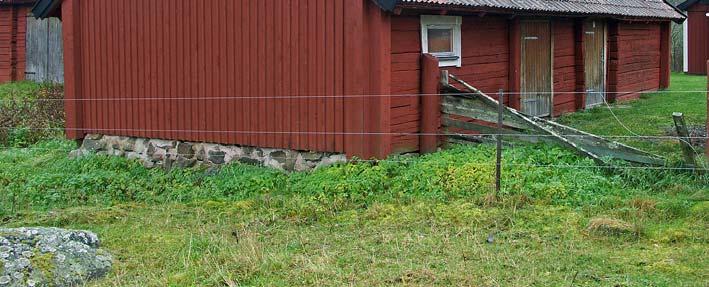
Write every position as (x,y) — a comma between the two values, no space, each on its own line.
(627,8)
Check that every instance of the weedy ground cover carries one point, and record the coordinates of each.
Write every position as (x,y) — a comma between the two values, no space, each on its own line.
(415,221)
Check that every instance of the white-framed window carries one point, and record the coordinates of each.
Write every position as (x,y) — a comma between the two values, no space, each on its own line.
(440,36)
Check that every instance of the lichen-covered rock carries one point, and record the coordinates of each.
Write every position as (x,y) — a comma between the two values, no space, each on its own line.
(50,257)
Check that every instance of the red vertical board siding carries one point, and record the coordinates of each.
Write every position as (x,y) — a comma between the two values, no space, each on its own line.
(515,62)
(354,77)
(579,63)
(430,105)
(339,64)
(6,35)
(564,67)
(275,73)
(634,59)
(13,28)
(612,61)
(329,107)
(698,37)
(321,83)
(665,54)
(99,58)
(377,113)
(72,31)
(89,57)
(21,38)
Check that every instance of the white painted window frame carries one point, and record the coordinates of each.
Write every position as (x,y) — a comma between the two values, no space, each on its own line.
(446,22)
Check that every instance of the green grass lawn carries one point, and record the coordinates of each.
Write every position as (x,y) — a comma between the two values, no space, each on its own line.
(404,222)
(415,222)
(649,116)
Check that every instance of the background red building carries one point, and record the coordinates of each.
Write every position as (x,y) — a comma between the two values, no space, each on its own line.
(696,36)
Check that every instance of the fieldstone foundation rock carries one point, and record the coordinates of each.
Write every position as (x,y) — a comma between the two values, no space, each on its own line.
(178,154)
(50,257)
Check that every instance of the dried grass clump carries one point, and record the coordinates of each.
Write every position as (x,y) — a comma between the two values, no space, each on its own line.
(644,204)
(611,227)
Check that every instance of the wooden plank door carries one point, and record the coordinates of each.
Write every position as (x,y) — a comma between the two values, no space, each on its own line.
(536,72)
(595,62)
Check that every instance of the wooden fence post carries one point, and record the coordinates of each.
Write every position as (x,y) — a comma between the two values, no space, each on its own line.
(684,138)
(500,131)
(430,104)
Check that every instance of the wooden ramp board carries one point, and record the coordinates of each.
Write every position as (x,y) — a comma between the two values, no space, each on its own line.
(476,105)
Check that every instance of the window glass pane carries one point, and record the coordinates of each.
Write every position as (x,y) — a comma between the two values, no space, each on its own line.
(440,40)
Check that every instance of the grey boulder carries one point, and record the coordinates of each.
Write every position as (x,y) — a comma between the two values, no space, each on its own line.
(50,257)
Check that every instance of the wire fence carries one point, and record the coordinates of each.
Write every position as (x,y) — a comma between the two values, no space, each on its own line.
(103,98)
(632,135)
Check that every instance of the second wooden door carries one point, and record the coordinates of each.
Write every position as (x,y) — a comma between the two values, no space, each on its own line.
(536,72)
(595,62)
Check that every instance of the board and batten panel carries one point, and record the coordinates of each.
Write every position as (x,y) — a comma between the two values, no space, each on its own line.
(45,60)
(270,73)
(698,38)
(6,35)
(13,21)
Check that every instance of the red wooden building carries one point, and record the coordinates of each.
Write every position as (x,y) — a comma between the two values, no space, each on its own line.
(696,36)
(342,75)
(13,25)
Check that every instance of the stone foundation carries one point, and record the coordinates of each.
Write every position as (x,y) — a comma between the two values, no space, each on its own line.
(170,154)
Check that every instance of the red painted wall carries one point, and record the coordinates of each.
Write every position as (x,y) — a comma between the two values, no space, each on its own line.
(634,58)
(634,50)
(485,65)
(268,73)
(13,28)
(297,74)
(564,67)
(698,36)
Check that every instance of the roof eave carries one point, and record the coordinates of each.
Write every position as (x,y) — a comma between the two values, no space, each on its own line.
(479,9)
(17,3)
(46,8)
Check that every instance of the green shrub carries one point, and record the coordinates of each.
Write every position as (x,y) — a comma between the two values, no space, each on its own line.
(30,113)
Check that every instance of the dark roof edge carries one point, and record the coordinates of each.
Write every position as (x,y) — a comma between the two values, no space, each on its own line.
(45,8)
(684,6)
(680,11)
(389,5)
(17,3)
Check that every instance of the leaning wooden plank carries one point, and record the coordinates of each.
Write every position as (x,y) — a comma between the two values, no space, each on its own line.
(479,113)
(448,121)
(604,147)
(560,139)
